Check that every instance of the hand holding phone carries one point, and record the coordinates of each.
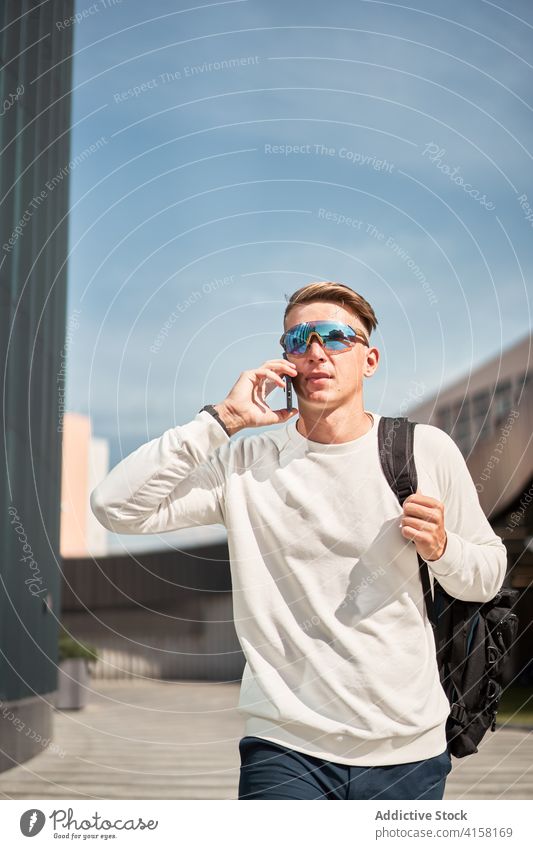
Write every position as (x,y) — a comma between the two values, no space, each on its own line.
(246,405)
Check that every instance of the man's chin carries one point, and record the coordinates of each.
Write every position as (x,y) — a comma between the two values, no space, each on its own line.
(318,400)
(318,393)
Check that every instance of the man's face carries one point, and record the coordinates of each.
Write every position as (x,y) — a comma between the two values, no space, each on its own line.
(345,370)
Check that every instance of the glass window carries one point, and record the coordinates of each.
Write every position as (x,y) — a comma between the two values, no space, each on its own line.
(502,402)
(461,431)
(443,420)
(481,419)
(522,386)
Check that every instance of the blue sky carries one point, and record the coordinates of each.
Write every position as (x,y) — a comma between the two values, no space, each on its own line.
(413,121)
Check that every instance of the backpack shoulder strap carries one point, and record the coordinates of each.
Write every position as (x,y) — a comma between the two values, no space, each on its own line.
(395,445)
(395,439)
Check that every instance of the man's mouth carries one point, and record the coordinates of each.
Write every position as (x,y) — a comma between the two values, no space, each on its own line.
(315,378)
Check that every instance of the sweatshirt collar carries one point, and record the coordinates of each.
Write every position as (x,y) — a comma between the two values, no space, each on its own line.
(333,448)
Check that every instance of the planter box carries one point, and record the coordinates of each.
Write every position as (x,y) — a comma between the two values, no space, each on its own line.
(73,683)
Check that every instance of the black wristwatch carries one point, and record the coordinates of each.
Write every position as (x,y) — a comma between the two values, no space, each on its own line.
(210,409)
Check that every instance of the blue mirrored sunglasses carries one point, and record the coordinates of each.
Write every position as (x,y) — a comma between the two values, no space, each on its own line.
(333,335)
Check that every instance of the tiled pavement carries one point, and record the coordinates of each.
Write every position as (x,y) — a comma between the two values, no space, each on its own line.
(179,740)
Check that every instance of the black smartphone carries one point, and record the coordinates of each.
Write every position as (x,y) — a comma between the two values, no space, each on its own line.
(288,386)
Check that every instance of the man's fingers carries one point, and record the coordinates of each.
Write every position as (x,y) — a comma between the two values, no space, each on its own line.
(425,500)
(266,372)
(416,524)
(284,413)
(423,505)
(431,514)
(283,365)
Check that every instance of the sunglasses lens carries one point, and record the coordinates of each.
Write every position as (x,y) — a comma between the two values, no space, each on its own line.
(335,337)
(296,339)
(336,340)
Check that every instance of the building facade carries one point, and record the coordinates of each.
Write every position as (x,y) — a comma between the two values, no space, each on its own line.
(85,462)
(489,414)
(35,103)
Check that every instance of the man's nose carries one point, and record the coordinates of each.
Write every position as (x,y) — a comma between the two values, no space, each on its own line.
(316,350)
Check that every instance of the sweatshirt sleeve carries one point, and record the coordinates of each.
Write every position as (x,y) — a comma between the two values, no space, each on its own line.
(474,564)
(175,481)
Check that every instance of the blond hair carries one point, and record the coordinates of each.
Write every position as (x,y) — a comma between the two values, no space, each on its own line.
(338,293)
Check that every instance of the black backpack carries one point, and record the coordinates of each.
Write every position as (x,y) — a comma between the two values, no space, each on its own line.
(472,639)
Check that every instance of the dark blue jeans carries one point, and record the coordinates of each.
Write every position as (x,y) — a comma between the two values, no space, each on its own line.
(271,771)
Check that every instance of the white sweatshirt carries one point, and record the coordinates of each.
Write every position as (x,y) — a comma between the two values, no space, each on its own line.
(327,597)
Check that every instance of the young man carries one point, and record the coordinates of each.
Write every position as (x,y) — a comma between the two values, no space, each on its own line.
(341,691)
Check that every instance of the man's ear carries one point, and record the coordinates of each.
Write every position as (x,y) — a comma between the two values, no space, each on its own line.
(371,362)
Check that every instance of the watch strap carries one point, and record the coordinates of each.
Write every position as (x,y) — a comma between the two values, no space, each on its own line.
(209,408)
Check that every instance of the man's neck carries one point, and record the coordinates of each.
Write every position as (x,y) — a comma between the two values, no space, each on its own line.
(334,427)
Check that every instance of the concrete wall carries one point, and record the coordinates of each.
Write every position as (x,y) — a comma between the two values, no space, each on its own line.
(165,614)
